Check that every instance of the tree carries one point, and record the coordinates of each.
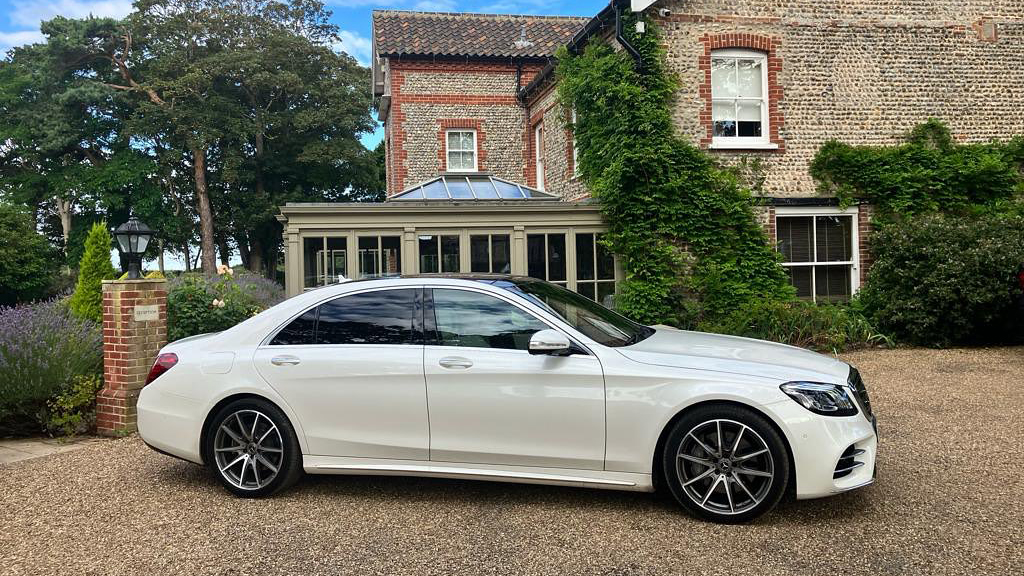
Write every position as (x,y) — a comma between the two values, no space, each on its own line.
(87,301)
(250,91)
(64,152)
(306,107)
(27,261)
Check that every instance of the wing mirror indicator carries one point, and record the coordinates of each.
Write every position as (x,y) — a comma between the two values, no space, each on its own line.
(549,342)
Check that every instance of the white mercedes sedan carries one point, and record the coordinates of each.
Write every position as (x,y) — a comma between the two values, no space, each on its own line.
(509,379)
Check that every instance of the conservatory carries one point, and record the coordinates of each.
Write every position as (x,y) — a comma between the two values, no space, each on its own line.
(451,224)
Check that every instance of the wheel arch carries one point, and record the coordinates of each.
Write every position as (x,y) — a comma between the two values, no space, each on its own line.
(657,468)
(216,408)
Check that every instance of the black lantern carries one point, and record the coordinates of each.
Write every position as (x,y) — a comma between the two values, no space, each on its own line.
(133,239)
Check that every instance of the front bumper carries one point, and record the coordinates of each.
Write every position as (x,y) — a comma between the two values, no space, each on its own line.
(819,442)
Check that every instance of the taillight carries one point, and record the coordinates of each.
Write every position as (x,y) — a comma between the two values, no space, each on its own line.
(164,362)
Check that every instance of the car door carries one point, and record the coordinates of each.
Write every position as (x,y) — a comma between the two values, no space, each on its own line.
(352,371)
(492,402)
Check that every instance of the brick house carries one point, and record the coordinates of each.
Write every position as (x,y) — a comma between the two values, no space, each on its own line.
(469,106)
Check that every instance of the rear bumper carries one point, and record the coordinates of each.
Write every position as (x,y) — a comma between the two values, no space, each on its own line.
(170,423)
(818,442)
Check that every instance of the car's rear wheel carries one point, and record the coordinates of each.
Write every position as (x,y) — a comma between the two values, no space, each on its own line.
(252,448)
(725,463)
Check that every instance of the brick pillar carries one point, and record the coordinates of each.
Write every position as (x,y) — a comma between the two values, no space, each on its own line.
(134,330)
(864,214)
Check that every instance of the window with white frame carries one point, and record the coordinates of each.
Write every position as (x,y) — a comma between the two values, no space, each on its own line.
(819,252)
(575,149)
(538,146)
(739,98)
(461,150)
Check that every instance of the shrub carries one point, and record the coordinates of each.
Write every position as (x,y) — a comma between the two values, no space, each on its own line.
(42,349)
(197,304)
(823,327)
(74,410)
(28,264)
(939,280)
(87,301)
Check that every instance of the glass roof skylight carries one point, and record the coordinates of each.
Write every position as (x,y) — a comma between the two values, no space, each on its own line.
(473,187)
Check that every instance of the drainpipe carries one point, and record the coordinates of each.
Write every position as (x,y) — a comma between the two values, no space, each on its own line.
(621,38)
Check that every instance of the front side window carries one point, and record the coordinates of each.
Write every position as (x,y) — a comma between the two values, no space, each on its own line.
(477,320)
(461,150)
(739,96)
(599,323)
(379,317)
(818,253)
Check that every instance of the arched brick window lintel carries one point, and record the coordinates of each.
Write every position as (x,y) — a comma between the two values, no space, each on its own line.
(767,45)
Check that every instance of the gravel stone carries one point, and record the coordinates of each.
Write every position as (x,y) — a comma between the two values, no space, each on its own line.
(948,501)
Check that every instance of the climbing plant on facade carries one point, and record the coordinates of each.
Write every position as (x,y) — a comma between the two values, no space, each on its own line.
(929,172)
(683,226)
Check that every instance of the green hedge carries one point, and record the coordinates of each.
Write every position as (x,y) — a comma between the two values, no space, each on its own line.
(940,280)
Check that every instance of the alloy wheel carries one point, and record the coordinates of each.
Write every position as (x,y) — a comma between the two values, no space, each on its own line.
(724,466)
(248,449)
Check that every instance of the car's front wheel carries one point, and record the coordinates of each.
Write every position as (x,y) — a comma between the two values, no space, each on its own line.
(252,448)
(725,463)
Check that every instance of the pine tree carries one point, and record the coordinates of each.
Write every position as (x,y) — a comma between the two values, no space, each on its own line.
(87,301)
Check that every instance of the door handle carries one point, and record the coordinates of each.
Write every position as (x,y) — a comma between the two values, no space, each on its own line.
(284,360)
(455,362)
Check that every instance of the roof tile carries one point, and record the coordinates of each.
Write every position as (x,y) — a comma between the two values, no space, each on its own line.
(465,34)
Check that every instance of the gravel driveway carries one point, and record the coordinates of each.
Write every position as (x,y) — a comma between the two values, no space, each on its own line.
(949,500)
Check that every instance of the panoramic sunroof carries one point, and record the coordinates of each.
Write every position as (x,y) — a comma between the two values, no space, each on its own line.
(473,187)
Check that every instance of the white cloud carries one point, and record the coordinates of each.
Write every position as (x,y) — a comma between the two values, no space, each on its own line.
(29,13)
(356,45)
(9,40)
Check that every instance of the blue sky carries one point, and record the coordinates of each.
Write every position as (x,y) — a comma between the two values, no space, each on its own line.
(19,19)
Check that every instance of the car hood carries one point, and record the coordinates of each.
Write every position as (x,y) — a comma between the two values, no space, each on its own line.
(732,354)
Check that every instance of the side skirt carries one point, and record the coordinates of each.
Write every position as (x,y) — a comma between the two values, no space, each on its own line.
(487,472)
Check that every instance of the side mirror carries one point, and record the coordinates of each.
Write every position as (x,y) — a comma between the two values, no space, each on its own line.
(549,342)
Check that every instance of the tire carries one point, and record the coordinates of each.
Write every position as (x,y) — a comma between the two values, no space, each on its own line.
(732,486)
(267,458)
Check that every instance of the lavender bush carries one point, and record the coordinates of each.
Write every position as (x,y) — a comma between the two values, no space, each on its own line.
(43,348)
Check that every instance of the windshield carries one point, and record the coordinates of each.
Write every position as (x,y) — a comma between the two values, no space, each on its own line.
(595,321)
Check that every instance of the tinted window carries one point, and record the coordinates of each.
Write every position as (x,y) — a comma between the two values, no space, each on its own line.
(380,317)
(596,321)
(478,320)
(300,331)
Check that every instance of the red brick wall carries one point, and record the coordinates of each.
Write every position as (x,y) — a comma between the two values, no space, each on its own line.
(428,95)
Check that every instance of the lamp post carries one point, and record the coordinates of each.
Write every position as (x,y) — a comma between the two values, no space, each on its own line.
(132,239)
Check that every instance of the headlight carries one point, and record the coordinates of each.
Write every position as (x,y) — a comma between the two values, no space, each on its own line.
(824,399)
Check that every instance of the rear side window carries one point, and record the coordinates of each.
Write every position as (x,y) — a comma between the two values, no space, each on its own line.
(300,331)
(380,317)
